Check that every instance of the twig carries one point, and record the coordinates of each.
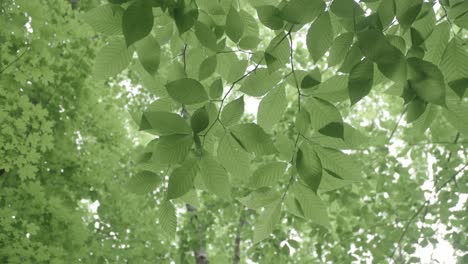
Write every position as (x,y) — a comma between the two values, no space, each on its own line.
(397,124)
(426,203)
(14,61)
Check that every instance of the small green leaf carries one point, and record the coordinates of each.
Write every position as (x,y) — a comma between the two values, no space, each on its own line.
(234,159)
(302,11)
(407,11)
(113,58)
(164,123)
(340,48)
(360,80)
(207,67)
(267,221)
(267,174)
(144,182)
(167,219)
(312,79)
(270,16)
(234,25)
(271,108)
(346,8)
(199,120)
(260,198)
(137,21)
(325,117)
(233,111)
(206,36)
(215,177)
(309,166)
(105,19)
(320,36)
(216,89)
(181,179)
(173,149)
(253,139)
(149,53)
(259,82)
(415,109)
(427,81)
(187,91)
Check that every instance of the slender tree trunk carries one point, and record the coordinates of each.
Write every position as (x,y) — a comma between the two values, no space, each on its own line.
(201,257)
(237,241)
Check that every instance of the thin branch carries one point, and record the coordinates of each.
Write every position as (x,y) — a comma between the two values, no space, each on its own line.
(397,124)
(14,61)
(425,204)
(184,52)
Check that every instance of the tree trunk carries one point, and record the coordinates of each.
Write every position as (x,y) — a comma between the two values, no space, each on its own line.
(201,257)
(237,241)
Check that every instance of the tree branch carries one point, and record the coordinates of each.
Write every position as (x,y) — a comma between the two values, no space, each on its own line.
(425,204)
(201,257)
(14,61)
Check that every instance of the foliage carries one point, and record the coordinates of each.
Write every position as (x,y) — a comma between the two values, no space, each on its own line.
(325,169)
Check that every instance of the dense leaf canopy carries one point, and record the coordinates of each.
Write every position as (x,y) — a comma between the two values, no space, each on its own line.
(244,131)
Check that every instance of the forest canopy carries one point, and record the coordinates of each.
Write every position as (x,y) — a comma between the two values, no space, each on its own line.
(233,131)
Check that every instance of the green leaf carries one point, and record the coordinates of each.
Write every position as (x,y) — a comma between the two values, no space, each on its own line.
(333,89)
(144,182)
(164,123)
(270,16)
(149,53)
(457,113)
(311,205)
(459,86)
(266,221)
(407,11)
(187,91)
(181,179)
(137,21)
(207,67)
(320,36)
(302,122)
(113,58)
(233,158)
(340,48)
(360,80)
(437,42)
(427,81)
(173,149)
(425,120)
(105,19)
(325,117)
(259,82)
(277,52)
(253,139)
(271,108)
(260,198)
(386,12)
(167,219)
(312,79)
(389,59)
(267,174)
(302,11)
(206,36)
(453,63)
(216,89)
(352,58)
(415,109)
(309,166)
(346,8)
(215,177)
(234,25)
(339,164)
(185,18)
(233,111)
(199,120)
